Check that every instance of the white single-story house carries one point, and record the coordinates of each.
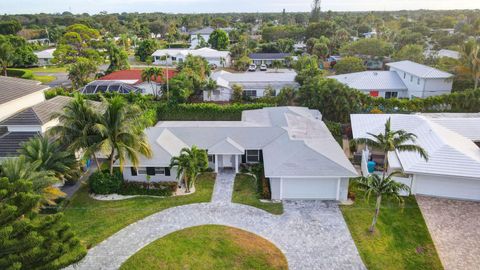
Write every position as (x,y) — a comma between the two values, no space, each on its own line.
(174,56)
(253,83)
(452,144)
(405,79)
(268,58)
(45,57)
(301,158)
(204,33)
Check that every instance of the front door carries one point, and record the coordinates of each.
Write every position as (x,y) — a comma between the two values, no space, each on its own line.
(228,161)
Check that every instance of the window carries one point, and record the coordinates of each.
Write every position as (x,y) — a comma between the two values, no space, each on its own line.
(174,58)
(159,170)
(211,158)
(250,93)
(418,81)
(142,170)
(391,94)
(253,156)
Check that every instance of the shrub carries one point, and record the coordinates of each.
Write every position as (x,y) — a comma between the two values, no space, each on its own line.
(205,111)
(20,73)
(101,182)
(263,186)
(148,188)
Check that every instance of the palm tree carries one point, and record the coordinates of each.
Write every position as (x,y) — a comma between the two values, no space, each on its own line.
(471,59)
(150,75)
(210,86)
(121,129)
(381,187)
(276,64)
(189,164)
(6,56)
(42,180)
(76,127)
(390,140)
(51,156)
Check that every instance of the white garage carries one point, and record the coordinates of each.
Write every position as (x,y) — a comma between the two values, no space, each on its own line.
(309,188)
(450,187)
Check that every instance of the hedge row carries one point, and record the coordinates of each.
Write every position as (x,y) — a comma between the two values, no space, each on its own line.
(205,111)
(20,73)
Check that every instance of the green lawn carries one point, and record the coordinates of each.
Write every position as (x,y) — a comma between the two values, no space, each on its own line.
(94,221)
(49,69)
(245,192)
(401,240)
(206,248)
(44,79)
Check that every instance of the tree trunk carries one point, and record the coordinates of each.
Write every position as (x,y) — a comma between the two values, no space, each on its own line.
(185,182)
(377,211)
(112,160)
(5,71)
(96,161)
(476,84)
(385,164)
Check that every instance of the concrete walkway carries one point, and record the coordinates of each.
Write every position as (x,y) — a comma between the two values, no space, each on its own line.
(311,234)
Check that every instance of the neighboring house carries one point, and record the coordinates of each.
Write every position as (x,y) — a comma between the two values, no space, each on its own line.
(449,53)
(174,56)
(45,57)
(253,83)
(452,142)
(422,81)
(371,34)
(301,158)
(28,123)
(134,77)
(18,94)
(197,35)
(268,58)
(405,79)
(385,84)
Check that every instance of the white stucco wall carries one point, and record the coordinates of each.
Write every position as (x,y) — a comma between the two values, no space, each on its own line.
(435,87)
(420,87)
(127,176)
(10,108)
(275,188)
(309,188)
(445,186)
(221,94)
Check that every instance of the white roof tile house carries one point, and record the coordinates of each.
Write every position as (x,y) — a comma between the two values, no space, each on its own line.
(406,79)
(453,167)
(171,56)
(301,158)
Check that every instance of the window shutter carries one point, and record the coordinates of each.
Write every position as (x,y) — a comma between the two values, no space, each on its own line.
(167,171)
(244,157)
(133,170)
(260,153)
(150,170)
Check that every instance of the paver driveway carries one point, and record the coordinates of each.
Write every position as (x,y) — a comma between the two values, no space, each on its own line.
(454,227)
(311,234)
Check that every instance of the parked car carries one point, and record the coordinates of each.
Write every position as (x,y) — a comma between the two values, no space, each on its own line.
(213,66)
(252,68)
(263,67)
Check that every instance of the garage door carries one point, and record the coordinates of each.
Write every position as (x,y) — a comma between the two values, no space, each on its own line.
(458,188)
(309,188)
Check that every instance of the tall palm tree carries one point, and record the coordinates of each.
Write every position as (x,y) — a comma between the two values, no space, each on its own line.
(151,75)
(189,164)
(6,56)
(42,180)
(122,132)
(76,127)
(51,156)
(471,61)
(390,140)
(381,187)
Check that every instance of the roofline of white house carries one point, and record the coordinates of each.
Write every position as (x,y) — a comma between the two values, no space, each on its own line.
(443,175)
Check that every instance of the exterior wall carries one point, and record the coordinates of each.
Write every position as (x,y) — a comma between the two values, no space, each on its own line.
(267,62)
(25,128)
(443,186)
(343,189)
(10,108)
(275,188)
(424,87)
(127,175)
(147,88)
(411,81)
(310,188)
(435,87)
(179,58)
(221,94)
(381,92)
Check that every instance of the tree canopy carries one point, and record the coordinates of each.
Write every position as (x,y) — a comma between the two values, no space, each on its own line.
(219,40)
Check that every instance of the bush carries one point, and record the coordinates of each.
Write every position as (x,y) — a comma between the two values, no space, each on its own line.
(263,186)
(148,188)
(101,182)
(20,73)
(205,111)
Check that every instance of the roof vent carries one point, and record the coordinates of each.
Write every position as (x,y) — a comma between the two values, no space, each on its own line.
(375,73)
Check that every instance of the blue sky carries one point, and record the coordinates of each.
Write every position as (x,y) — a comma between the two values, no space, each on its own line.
(198,6)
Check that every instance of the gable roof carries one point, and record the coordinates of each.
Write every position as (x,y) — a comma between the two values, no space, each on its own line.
(449,152)
(133,76)
(259,77)
(419,70)
(226,146)
(372,80)
(14,88)
(268,56)
(45,54)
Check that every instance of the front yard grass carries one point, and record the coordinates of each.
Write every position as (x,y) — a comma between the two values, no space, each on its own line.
(44,78)
(94,221)
(208,247)
(401,239)
(245,192)
(49,69)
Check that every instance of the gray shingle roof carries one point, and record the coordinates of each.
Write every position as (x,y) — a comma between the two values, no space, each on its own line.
(38,114)
(419,70)
(268,56)
(10,142)
(14,88)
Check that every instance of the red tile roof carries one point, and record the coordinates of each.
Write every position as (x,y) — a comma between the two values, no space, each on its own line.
(133,74)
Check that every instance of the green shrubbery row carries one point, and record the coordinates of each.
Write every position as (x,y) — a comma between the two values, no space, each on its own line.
(104,183)
(20,73)
(205,111)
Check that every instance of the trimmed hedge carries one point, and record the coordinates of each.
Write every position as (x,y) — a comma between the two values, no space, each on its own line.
(20,73)
(153,188)
(205,111)
(263,185)
(104,183)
